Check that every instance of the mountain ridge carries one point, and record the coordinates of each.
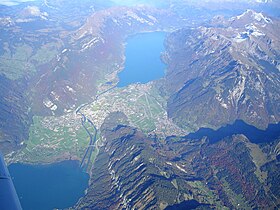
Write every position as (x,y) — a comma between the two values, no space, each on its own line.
(232,72)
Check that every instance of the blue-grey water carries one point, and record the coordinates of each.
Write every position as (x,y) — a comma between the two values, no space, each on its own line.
(45,187)
(255,135)
(143,62)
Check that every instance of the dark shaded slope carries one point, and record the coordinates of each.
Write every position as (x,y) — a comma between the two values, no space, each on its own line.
(14,117)
(135,171)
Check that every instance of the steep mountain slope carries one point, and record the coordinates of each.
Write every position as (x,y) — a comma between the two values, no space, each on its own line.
(224,72)
(14,116)
(130,172)
(133,171)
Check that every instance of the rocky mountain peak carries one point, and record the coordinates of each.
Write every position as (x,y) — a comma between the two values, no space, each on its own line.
(253,16)
(231,66)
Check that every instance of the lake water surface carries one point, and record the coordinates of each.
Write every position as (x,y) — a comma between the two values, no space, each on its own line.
(45,187)
(143,62)
(255,135)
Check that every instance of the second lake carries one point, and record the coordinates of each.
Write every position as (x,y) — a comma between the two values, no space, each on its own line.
(143,62)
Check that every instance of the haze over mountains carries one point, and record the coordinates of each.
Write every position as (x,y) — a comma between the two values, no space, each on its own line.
(204,136)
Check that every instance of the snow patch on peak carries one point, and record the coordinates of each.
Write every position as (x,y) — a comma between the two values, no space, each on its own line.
(36,12)
(259,17)
(253,30)
(255,15)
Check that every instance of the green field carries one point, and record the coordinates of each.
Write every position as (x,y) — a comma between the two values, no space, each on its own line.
(47,145)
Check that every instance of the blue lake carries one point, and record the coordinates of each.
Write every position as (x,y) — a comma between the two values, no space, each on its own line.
(45,187)
(143,62)
(255,135)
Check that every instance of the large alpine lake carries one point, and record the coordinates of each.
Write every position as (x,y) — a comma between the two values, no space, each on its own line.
(45,187)
(143,62)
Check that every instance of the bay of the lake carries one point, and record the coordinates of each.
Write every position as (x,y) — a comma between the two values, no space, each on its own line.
(45,187)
